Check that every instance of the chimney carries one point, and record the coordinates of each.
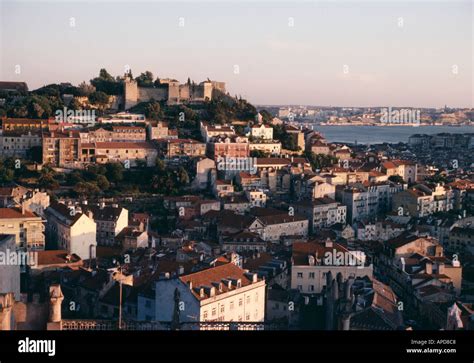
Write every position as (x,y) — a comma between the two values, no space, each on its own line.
(429,267)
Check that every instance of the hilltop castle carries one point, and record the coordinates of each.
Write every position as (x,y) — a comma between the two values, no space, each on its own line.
(169,90)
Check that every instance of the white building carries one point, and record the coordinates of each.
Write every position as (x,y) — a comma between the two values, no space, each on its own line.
(72,231)
(261,132)
(222,293)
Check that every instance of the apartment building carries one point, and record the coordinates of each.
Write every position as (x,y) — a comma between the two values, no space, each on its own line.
(177,148)
(61,149)
(321,212)
(71,230)
(312,261)
(132,152)
(423,200)
(17,144)
(110,221)
(367,200)
(26,226)
(228,147)
(222,293)
(209,131)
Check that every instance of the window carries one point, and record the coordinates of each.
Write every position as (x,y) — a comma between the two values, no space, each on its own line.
(231,305)
(204,315)
(311,275)
(248,299)
(240,302)
(222,308)
(300,287)
(311,288)
(214,311)
(299,275)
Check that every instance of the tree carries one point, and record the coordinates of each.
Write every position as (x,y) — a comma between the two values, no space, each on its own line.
(86,188)
(145,79)
(102,182)
(85,89)
(396,179)
(100,99)
(114,172)
(153,111)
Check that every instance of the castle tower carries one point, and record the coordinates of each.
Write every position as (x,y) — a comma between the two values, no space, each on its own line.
(6,304)
(130,94)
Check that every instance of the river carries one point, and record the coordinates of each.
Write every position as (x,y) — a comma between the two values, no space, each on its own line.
(380,134)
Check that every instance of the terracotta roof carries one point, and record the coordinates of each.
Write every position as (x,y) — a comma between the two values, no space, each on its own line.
(211,277)
(56,257)
(124,145)
(12,213)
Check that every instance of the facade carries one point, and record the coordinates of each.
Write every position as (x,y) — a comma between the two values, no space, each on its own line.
(223,293)
(403,168)
(310,265)
(422,200)
(261,132)
(228,147)
(322,212)
(72,231)
(366,201)
(61,149)
(132,152)
(177,148)
(274,227)
(110,221)
(209,131)
(16,144)
(26,226)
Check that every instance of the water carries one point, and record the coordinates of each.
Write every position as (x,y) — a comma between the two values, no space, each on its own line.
(380,134)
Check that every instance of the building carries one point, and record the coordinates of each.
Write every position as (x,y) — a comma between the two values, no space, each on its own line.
(403,168)
(110,221)
(122,152)
(18,144)
(322,212)
(72,231)
(422,200)
(157,130)
(312,261)
(10,273)
(178,148)
(261,132)
(366,201)
(222,293)
(61,149)
(273,227)
(228,147)
(209,131)
(26,226)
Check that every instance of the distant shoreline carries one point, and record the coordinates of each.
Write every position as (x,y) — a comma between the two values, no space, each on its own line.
(391,125)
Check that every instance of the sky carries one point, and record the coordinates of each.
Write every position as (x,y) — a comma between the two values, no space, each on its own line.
(327,53)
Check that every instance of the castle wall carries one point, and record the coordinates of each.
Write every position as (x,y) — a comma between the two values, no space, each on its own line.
(146,94)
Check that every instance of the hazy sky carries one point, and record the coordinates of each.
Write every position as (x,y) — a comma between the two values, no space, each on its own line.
(339,53)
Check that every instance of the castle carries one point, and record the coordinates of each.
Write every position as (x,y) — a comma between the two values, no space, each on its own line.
(169,90)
